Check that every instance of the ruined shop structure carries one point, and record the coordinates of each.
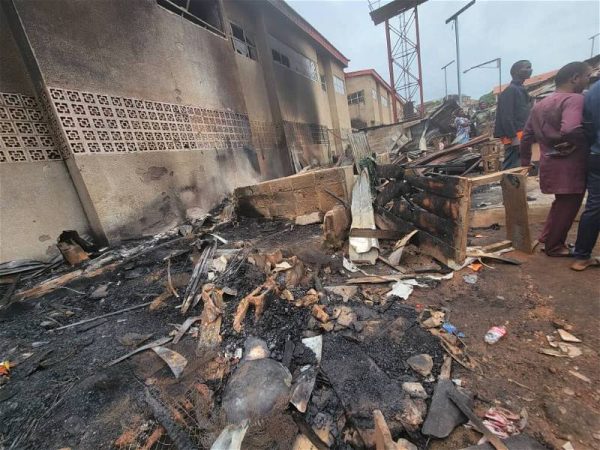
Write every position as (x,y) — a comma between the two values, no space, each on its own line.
(116,117)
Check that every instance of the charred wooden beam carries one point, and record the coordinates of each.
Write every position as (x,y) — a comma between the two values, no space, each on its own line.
(446,186)
(392,190)
(395,171)
(426,221)
(440,206)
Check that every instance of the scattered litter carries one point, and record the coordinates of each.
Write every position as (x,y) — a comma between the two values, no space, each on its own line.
(282,266)
(475,267)
(471,279)
(504,423)
(174,360)
(401,289)
(396,254)
(570,350)
(349,265)
(435,319)
(346,292)
(449,328)
(494,334)
(568,446)
(5,368)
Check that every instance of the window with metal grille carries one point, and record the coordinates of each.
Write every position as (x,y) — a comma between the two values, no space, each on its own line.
(338,85)
(318,134)
(374,94)
(323,83)
(356,97)
(242,43)
(205,13)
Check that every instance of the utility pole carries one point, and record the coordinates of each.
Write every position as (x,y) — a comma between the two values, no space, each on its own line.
(498,62)
(454,18)
(446,79)
(593,39)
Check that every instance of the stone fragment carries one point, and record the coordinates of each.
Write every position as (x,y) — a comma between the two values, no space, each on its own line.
(414,390)
(422,364)
(100,292)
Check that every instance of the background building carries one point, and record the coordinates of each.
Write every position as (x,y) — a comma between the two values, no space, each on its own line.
(370,99)
(116,117)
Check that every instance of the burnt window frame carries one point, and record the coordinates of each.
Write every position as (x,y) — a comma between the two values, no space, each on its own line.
(278,57)
(173,7)
(247,41)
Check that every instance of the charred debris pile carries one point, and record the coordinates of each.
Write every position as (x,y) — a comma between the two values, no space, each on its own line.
(229,333)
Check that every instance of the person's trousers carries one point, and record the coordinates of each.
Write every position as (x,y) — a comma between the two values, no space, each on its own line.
(589,223)
(560,218)
(512,157)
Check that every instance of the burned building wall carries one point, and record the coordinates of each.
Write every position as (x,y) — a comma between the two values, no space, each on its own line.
(149,104)
(152,113)
(33,176)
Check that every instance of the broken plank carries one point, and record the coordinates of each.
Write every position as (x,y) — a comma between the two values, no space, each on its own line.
(446,186)
(514,194)
(62,280)
(496,176)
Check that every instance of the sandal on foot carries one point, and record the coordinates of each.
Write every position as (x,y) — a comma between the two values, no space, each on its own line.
(582,264)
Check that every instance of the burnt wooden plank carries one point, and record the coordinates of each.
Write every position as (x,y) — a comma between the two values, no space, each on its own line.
(392,190)
(424,220)
(440,206)
(395,171)
(428,244)
(446,186)
(514,194)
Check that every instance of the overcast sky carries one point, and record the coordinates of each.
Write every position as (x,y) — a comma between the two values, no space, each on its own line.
(549,33)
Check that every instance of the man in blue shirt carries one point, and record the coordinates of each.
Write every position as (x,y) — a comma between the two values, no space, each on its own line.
(589,224)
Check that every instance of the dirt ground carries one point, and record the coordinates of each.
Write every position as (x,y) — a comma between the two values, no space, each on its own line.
(64,395)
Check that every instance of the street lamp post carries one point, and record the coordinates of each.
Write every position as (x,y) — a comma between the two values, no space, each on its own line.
(446,78)
(593,39)
(454,18)
(498,62)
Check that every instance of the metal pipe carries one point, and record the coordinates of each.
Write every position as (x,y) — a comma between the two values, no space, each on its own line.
(593,39)
(454,18)
(418,47)
(457,60)
(391,69)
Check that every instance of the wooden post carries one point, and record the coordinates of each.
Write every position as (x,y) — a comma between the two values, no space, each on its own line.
(514,194)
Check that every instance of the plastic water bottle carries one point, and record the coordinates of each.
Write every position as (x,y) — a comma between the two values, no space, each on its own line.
(494,334)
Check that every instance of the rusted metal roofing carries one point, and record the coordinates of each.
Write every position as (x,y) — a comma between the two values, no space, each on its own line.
(297,19)
(530,82)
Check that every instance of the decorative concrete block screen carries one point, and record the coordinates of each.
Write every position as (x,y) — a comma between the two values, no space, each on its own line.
(24,131)
(99,123)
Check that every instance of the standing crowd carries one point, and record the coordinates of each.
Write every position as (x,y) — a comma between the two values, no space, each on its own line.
(566,126)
